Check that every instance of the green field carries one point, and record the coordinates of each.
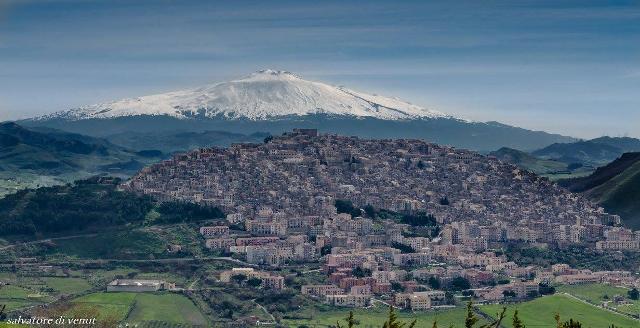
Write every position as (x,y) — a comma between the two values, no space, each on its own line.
(167,308)
(598,293)
(16,297)
(540,313)
(117,305)
(67,285)
(376,316)
(151,309)
(27,291)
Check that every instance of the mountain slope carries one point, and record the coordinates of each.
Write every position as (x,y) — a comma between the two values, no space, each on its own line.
(529,162)
(172,141)
(262,95)
(615,186)
(277,101)
(621,195)
(595,152)
(626,144)
(31,157)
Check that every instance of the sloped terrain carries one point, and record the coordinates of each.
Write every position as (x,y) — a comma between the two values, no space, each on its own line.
(615,186)
(30,157)
(528,161)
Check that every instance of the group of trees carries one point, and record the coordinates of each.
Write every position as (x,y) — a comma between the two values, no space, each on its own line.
(72,207)
(179,212)
(241,279)
(346,206)
(634,294)
(86,204)
(471,321)
(420,219)
(576,256)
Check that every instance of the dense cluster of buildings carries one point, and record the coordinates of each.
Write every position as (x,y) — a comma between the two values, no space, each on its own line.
(267,279)
(281,198)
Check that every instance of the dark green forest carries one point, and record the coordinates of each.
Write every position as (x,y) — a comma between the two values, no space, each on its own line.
(88,204)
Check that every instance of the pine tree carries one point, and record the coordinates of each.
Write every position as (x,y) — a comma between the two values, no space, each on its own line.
(471,318)
(393,322)
(517,323)
(351,321)
(566,324)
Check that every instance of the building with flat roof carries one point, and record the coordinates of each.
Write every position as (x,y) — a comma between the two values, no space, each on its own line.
(138,285)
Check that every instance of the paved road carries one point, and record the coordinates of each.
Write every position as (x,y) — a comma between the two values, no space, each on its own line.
(600,307)
(163,260)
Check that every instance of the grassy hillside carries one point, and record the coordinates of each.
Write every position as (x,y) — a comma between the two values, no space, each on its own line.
(540,313)
(529,162)
(621,195)
(602,174)
(615,186)
(598,293)
(583,152)
(37,157)
(139,308)
(377,315)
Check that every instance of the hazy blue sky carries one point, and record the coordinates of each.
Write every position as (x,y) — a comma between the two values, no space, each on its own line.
(571,67)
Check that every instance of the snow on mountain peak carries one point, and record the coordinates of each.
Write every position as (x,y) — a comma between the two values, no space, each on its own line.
(263,95)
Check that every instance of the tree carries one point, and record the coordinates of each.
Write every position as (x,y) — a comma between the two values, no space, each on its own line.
(254,282)
(566,324)
(509,293)
(3,315)
(444,201)
(634,294)
(346,206)
(517,323)
(545,289)
(324,250)
(404,249)
(434,282)
(370,211)
(360,272)
(351,321)
(471,318)
(460,283)
(238,278)
(468,293)
(393,322)
(397,287)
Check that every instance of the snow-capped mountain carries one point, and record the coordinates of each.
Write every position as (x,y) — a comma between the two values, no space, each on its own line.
(273,102)
(263,95)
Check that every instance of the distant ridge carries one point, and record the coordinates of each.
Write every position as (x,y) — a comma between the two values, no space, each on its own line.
(31,157)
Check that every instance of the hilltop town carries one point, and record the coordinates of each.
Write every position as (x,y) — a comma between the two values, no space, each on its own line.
(404,219)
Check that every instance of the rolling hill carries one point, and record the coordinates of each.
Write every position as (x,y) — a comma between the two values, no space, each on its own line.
(594,152)
(529,162)
(32,157)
